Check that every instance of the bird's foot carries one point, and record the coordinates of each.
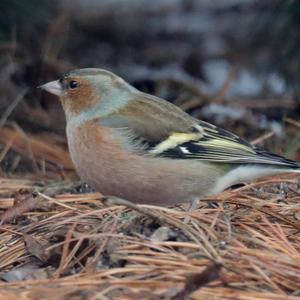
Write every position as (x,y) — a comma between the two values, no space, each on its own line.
(193,205)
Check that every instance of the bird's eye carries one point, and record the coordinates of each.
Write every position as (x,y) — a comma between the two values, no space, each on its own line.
(73,84)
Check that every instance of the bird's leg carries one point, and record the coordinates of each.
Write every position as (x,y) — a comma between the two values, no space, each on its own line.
(193,204)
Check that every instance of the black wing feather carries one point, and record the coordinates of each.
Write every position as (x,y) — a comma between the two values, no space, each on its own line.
(221,146)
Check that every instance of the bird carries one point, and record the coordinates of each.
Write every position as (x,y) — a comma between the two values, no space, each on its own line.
(132,145)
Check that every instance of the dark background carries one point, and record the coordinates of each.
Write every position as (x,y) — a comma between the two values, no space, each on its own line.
(233,63)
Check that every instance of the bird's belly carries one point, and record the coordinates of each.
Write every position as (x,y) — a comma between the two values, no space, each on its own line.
(102,163)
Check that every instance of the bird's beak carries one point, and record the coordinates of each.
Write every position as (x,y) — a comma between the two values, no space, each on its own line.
(53,87)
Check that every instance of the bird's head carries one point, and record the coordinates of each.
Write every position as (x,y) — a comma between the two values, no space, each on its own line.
(90,93)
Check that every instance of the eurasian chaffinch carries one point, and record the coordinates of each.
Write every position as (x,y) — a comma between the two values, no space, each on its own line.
(142,148)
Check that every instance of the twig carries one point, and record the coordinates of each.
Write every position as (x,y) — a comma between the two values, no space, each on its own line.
(56,201)
(12,106)
(196,281)
(262,138)
(220,95)
(292,122)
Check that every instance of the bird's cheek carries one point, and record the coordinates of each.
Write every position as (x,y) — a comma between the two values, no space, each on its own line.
(80,100)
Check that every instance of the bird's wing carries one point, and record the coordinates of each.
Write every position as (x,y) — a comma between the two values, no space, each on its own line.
(209,143)
(163,129)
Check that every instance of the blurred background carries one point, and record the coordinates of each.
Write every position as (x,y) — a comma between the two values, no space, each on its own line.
(233,63)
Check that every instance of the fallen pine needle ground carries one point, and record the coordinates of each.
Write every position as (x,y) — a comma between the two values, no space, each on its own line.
(241,244)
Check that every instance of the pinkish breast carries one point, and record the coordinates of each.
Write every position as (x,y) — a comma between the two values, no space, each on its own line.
(107,167)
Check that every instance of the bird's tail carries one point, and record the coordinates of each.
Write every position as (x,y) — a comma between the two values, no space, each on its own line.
(277,161)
